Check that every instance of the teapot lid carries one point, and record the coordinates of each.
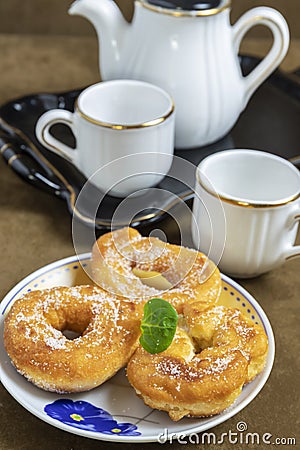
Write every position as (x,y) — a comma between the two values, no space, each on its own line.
(186,5)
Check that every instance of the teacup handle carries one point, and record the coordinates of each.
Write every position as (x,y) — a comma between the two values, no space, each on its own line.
(279,28)
(42,131)
(293,251)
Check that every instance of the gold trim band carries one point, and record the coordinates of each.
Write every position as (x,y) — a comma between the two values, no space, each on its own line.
(116,126)
(4,147)
(292,256)
(242,203)
(13,158)
(185,13)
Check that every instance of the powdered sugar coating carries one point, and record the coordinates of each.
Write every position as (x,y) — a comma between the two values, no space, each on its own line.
(215,351)
(191,274)
(107,328)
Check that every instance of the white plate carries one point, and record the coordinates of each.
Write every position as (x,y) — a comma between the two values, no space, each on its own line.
(117,413)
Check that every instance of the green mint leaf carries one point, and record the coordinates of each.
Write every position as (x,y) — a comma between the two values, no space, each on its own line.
(158,325)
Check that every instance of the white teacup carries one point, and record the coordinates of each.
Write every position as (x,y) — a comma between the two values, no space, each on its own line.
(113,120)
(246,211)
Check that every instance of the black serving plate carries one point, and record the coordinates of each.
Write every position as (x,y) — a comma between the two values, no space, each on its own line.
(270,122)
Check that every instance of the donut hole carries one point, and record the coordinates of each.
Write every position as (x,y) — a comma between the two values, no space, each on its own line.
(71,335)
(72,331)
(71,322)
(168,265)
(152,279)
(200,345)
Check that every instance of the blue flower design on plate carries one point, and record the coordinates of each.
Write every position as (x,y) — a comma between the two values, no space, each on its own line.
(84,415)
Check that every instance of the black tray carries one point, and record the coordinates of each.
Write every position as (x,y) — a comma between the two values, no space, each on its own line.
(270,122)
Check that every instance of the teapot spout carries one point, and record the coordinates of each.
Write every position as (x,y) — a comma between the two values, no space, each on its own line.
(110,26)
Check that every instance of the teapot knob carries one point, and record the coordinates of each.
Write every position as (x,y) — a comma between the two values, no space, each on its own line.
(186,5)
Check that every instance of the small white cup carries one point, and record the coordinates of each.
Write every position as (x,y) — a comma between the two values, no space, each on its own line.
(246,211)
(113,120)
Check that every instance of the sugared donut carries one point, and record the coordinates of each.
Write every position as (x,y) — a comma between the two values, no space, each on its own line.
(108,329)
(213,354)
(124,263)
(222,326)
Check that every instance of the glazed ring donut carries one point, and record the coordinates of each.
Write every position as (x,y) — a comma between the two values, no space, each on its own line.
(213,354)
(33,337)
(124,263)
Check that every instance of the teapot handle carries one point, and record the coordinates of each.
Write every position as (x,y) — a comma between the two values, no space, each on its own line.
(279,28)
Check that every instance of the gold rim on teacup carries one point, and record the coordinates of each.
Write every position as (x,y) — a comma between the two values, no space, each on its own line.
(243,203)
(117,126)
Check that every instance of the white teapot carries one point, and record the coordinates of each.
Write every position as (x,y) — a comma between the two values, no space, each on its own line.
(190,51)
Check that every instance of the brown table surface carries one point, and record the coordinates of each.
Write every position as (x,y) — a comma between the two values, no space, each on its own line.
(36,230)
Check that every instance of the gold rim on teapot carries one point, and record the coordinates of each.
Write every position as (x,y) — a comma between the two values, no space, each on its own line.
(184,13)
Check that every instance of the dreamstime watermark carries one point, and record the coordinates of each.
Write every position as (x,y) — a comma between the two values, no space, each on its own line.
(239,436)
